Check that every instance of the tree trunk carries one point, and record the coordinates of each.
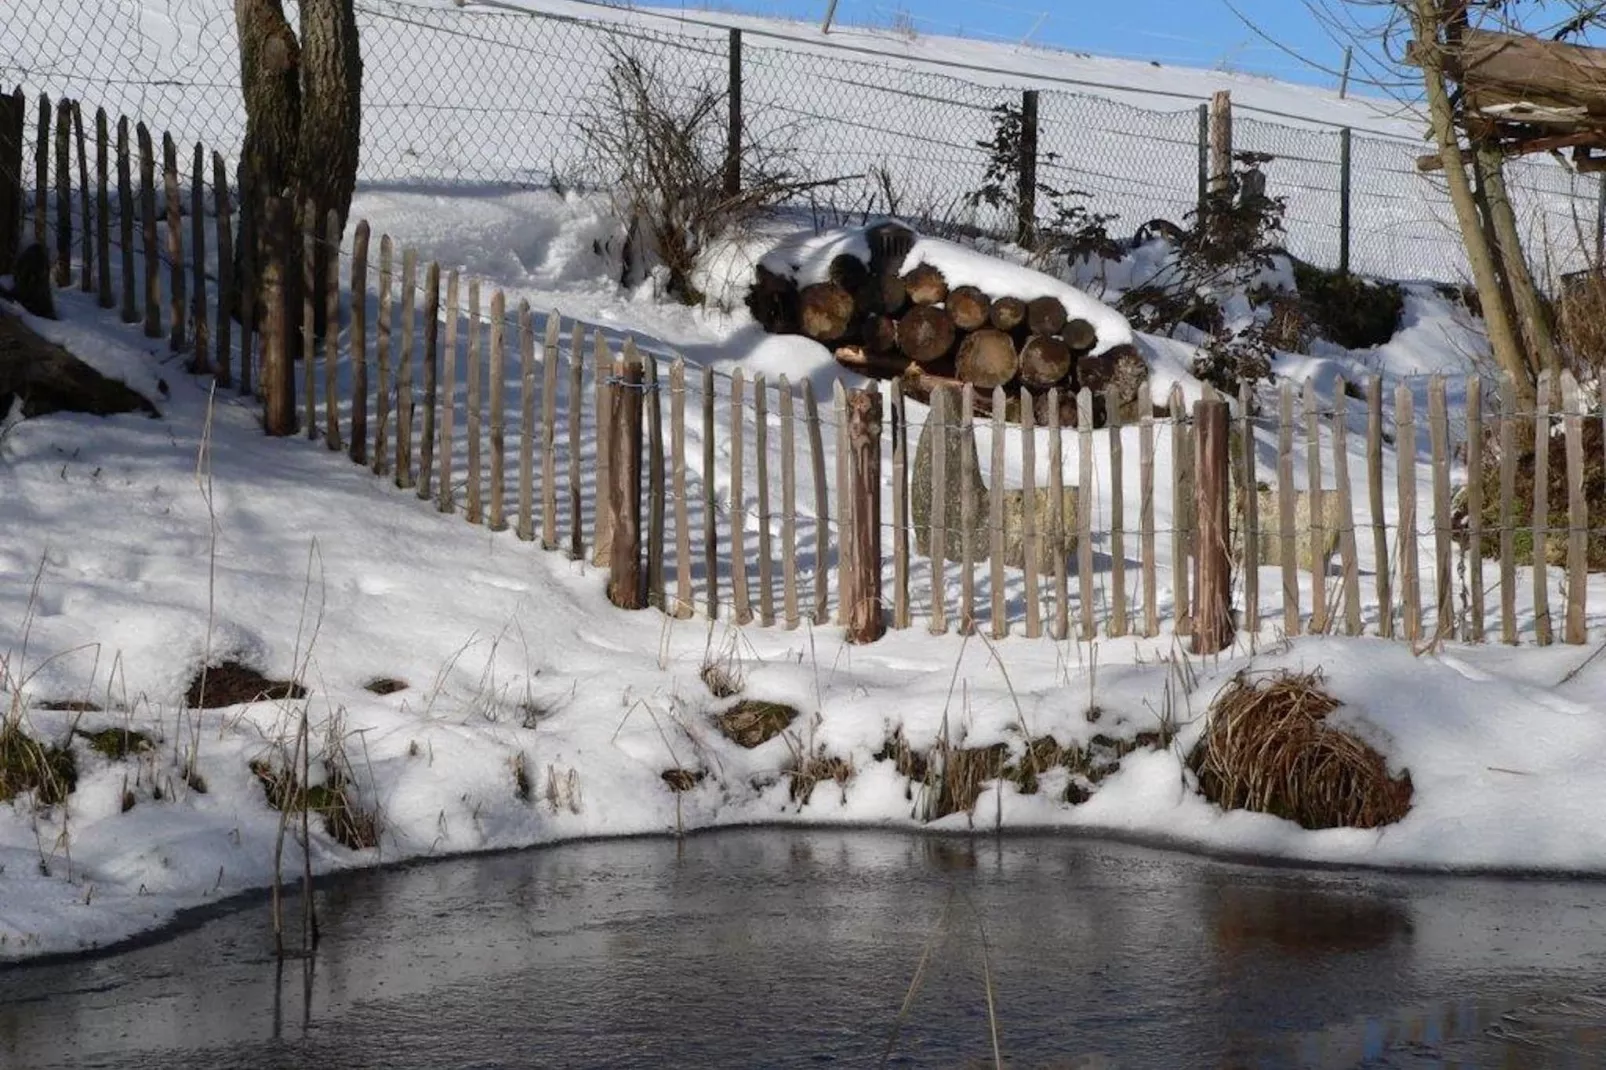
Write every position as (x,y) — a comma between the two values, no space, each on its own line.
(331,122)
(270,80)
(1426,20)
(1537,336)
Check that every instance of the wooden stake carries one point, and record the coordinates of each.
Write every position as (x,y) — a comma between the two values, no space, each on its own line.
(1374,481)
(147,211)
(359,339)
(103,214)
(652,402)
(497,370)
(1541,511)
(1577,514)
(382,358)
(761,451)
(474,380)
(788,508)
(711,499)
(1475,477)
(445,498)
(967,511)
(738,507)
(1084,512)
(1212,629)
(1318,511)
(1345,507)
(863,564)
(200,328)
(1285,507)
(625,587)
(1508,503)
(549,433)
(577,402)
(822,506)
(432,379)
(900,511)
(526,522)
(176,339)
(1118,625)
(125,223)
(677,451)
(228,298)
(331,325)
(996,523)
(1405,444)
(1146,535)
(1249,488)
(1030,550)
(63,263)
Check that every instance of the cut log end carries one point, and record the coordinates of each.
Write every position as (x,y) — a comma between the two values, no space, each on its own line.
(987,359)
(926,285)
(969,307)
(1080,335)
(1008,313)
(827,310)
(1045,316)
(1044,362)
(881,335)
(926,333)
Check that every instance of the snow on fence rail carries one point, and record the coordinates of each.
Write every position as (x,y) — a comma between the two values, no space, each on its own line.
(460,96)
(779,502)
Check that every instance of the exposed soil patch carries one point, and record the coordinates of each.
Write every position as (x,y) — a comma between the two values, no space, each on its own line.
(385,685)
(682,779)
(117,743)
(69,705)
(47,378)
(233,684)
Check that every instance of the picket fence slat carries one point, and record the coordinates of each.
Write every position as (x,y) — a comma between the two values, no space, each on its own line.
(577,360)
(1146,532)
(63,258)
(405,403)
(789,597)
(147,217)
(1475,477)
(1084,510)
(1181,500)
(1029,511)
(761,451)
(549,431)
(496,372)
(1118,624)
(1577,514)
(710,498)
(474,385)
(432,383)
(382,399)
(228,295)
(1543,632)
(1316,496)
(1382,576)
(1443,574)
(653,399)
(331,333)
(200,329)
(125,225)
(941,417)
(967,510)
(995,522)
(525,528)
(822,498)
(359,340)
(1058,527)
(1285,508)
(738,505)
(601,415)
(677,450)
(1249,495)
(309,337)
(1410,563)
(1344,504)
(900,509)
(1508,503)
(445,495)
(86,229)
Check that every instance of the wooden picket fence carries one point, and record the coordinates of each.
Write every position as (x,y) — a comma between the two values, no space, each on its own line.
(724,495)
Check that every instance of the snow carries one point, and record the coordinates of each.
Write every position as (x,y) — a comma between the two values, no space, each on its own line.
(161,544)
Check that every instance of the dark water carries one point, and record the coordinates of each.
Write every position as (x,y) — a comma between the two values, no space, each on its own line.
(779,949)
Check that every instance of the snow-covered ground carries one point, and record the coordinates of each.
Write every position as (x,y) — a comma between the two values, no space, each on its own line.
(137,550)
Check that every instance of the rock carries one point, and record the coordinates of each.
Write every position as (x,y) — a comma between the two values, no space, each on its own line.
(31,282)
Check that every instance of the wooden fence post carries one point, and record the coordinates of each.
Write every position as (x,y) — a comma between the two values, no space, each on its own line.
(227,297)
(1285,507)
(278,376)
(1212,625)
(1026,171)
(1443,569)
(577,360)
(13,121)
(496,370)
(761,455)
(432,372)
(179,308)
(474,373)
(86,239)
(549,432)
(1146,533)
(789,599)
(1346,512)
(1220,143)
(652,402)
(1374,486)
(331,329)
(822,507)
(1117,625)
(862,529)
(1249,520)
(1317,497)
(711,499)
(995,523)
(1181,503)
(1410,563)
(1343,199)
(1577,514)
(900,509)
(733,99)
(677,450)
(1475,476)
(125,221)
(309,336)
(63,262)
(103,211)
(1508,503)
(967,510)
(359,343)
(147,214)
(1031,539)
(525,527)
(444,500)
(382,402)
(404,370)
(1543,631)
(625,389)
(41,175)
(200,329)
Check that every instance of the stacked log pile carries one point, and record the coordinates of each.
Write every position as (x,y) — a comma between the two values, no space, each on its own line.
(915,327)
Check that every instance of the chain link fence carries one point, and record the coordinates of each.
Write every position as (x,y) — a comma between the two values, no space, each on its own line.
(477,97)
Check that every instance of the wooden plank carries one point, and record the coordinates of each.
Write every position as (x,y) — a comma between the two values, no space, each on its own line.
(331,321)
(125,224)
(359,338)
(405,403)
(1508,507)
(602,361)
(474,382)
(967,511)
(63,258)
(1345,506)
(1374,481)
(382,358)
(577,360)
(995,522)
(1543,631)
(1084,511)
(525,528)
(900,509)
(1181,506)
(177,336)
(1249,519)
(1059,528)
(86,229)
(1577,514)
(496,371)
(1405,445)
(942,411)
(431,357)
(549,432)
(1475,456)
(710,499)
(1319,621)
(227,295)
(1146,533)
(1285,507)
(1030,547)
(822,499)
(789,596)
(200,329)
(445,495)
(309,337)
(653,402)
(1443,573)
(1118,625)
(738,505)
(761,451)
(677,452)
(147,217)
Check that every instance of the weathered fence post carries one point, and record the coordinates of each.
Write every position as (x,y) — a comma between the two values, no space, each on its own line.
(278,377)
(200,329)
(125,221)
(179,307)
(1204,158)
(63,262)
(861,530)
(359,344)
(147,218)
(625,587)
(13,120)
(1220,143)
(1026,169)
(86,229)
(733,97)
(103,209)
(1212,609)
(223,340)
(41,174)
(1343,200)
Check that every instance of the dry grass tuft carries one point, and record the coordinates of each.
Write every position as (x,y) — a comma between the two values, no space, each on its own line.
(814,769)
(335,799)
(47,770)
(683,779)
(723,679)
(118,743)
(1269,748)
(523,790)
(753,721)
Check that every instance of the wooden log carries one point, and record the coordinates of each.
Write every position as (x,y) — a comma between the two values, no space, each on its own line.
(926,333)
(359,333)
(848,271)
(866,622)
(1146,533)
(103,213)
(1212,629)
(474,382)
(1058,528)
(445,497)
(1374,481)
(200,329)
(1405,444)
(86,230)
(405,403)
(1508,507)
(496,372)
(822,506)
(1008,314)
(1084,510)
(1443,572)
(382,355)
(925,285)
(1045,316)
(900,510)
(1118,625)
(656,494)
(761,457)
(738,504)
(1316,496)
(1475,475)
(967,511)
(1574,631)
(969,308)
(1543,631)
(625,584)
(228,296)
(176,338)
(278,377)
(995,523)
(789,598)
(1029,535)
(147,213)
(826,310)
(549,435)
(1079,335)
(577,360)
(677,449)
(1044,361)
(331,320)
(63,258)
(125,223)
(986,359)
(710,500)
(1285,507)
(881,334)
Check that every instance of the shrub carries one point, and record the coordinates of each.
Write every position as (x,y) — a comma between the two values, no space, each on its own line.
(1356,313)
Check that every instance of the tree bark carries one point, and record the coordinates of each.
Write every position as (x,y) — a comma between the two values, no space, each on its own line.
(331,123)
(1426,19)
(1529,311)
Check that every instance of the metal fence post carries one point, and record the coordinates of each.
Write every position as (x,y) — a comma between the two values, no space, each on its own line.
(1343,200)
(1026,201)
(733,146)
